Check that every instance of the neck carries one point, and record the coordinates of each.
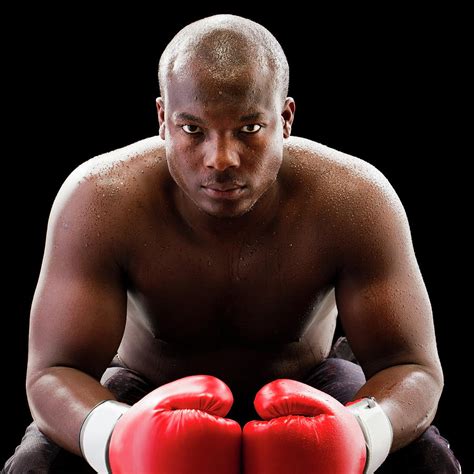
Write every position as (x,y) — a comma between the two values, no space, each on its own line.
(252,223)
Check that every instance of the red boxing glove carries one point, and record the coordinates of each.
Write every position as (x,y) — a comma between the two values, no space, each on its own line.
(178,428)
(306,431)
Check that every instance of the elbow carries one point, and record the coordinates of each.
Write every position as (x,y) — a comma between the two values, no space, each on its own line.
(434,380)
(437,375)
(36,390)
(433,376)
(32,378)
(434,385)
(31,386)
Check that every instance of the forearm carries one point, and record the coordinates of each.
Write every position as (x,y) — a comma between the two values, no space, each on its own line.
(60,398)
(409,395)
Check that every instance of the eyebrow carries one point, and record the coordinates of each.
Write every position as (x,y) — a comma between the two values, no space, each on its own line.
(193,118)
(253,116)
(188,117)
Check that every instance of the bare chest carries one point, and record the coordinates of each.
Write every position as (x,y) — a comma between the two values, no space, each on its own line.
(264,289)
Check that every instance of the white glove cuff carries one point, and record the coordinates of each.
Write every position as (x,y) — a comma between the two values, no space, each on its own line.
(96,431)
(377,430)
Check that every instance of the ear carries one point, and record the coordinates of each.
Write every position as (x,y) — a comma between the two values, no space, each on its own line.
(287,116)
(160,108)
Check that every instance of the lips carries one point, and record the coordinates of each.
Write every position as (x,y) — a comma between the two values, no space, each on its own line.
(224,192)
(222,188)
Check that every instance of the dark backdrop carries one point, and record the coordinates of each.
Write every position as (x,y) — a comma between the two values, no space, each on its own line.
(378,85)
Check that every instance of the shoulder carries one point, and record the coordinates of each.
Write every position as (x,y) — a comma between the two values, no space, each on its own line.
(97,201)
(350,202)
(110,170)
(339,181)
(111,177)
(325,164)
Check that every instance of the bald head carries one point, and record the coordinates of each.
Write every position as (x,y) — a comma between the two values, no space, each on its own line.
(225,48)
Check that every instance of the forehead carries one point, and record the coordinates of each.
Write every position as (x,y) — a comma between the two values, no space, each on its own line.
(201,88)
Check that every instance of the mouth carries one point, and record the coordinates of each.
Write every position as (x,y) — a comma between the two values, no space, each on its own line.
(224,192)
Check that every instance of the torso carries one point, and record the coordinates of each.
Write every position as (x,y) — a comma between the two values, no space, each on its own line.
(248,312)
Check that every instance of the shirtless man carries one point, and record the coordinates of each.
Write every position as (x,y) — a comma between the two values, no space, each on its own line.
(222,247)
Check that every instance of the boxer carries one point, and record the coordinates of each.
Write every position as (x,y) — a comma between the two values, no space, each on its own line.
(187,301)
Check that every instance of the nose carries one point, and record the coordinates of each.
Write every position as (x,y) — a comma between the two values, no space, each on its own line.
(221,154)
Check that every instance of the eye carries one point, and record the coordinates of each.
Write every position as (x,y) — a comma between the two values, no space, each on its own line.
(252,128)
(191,129)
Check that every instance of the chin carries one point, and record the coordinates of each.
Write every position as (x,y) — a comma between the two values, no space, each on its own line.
(225,213)
(227,210)
(224,209)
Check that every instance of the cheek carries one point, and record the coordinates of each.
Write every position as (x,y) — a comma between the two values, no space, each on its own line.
(181,165)
(272,168)
(269,166)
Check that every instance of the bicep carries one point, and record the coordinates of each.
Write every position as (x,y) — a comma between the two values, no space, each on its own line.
(79,307)
(381,297)
(75,322)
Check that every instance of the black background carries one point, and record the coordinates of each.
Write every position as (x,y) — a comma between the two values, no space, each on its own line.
(378,85)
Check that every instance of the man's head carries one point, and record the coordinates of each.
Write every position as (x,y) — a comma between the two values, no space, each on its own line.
(224,112)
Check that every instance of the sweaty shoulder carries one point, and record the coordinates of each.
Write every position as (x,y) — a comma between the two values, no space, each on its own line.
(348,196)
(100,198)
(334,171)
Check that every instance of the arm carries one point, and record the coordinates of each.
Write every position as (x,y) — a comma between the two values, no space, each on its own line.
(386,315)
(78,313)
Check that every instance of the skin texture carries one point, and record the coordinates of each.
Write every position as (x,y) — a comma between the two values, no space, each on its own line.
(142,260)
